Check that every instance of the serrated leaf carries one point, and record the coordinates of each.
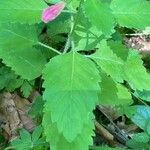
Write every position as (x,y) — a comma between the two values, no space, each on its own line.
(37,133)
(132,13)
(135,72)
(109,62)
(70,92)
(23,11)
(17,52)
(28,142)
(119,49)
(24,142)
(97,12)
(8,79)
(58,141)
(26,88)
(139,140)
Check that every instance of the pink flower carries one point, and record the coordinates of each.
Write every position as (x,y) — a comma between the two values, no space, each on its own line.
(52,12)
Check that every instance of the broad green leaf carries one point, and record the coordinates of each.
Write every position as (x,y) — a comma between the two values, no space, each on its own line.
(100,15)
(144,95)
(70,92)
(135,72)
(17,51)
(132,13)
(139,141)
(109,62)
(57,140)
(23,11)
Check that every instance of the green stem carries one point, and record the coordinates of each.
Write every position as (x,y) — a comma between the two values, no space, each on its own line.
(48,47)
(74,22)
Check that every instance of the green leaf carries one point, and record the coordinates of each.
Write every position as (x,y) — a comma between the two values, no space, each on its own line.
(24,142)
(17,52)
(144,95)
(86,36)
(70,92)
(100,15)
(108,86)
(28,141)
(132,13)
(135,72)
(26,88)
(23,11)
(37,133)
(37,107)
(60,25)
(139,140)
(129,111)
(119,49)
(14,84)
(109,62)
(57,140)
(124,95)
(8,79)
(118,95)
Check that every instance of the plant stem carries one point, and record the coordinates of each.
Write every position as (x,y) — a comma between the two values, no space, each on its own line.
(48,47)
(74,22)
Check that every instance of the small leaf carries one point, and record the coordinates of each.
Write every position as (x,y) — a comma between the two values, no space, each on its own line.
(52,12)
(37,133)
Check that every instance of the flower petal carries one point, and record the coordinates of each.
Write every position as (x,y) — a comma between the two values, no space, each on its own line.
(52,12)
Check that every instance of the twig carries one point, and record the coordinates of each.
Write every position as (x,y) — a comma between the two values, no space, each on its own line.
(103,132)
